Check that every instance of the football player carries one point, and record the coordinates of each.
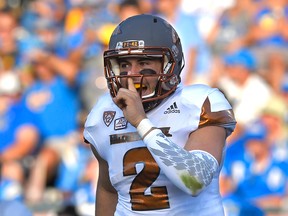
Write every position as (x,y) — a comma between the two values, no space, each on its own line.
(160,145)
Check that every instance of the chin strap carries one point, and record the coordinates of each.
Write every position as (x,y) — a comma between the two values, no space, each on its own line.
(191,171)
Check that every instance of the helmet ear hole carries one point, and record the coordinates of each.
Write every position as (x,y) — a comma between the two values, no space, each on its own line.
(174,81)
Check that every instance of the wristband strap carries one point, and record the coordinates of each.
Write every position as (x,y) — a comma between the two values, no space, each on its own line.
(144,127)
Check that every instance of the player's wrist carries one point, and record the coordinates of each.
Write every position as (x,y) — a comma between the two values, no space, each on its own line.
(145,127)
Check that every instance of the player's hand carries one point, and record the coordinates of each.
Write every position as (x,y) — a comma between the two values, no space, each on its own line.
(129,101)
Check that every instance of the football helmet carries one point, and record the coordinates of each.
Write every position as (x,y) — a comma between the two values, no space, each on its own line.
(145,36)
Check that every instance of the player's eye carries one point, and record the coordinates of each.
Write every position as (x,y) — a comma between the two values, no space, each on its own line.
(144,63)
(123,65)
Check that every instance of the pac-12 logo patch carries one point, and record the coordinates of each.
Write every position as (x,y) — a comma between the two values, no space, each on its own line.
(108,117)
(120,123)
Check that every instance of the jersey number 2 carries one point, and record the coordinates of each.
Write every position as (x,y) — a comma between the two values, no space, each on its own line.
(143,199)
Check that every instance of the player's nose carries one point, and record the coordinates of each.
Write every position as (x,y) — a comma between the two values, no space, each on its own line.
(134,70)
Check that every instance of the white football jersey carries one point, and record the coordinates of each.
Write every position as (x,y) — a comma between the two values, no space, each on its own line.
(143,189)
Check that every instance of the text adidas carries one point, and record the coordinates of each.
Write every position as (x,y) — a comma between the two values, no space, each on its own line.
(172,111)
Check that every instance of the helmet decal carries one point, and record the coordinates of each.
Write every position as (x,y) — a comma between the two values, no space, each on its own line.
(130,44)
(175,37)
(175,50)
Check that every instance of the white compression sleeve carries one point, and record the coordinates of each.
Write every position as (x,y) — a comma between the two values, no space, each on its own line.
(190,171)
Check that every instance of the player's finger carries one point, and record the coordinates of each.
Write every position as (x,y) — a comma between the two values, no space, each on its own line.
(131,86)
(119,100)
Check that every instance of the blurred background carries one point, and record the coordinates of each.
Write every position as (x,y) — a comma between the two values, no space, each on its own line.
(51,75)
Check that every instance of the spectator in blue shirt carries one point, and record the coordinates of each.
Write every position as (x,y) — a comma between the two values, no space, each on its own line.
(18,137)
(258,179)
(268,40)
(53,98)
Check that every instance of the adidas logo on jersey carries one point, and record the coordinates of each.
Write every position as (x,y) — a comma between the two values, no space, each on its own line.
(172,109)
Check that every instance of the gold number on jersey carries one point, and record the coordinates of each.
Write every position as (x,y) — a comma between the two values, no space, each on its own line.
(143,196)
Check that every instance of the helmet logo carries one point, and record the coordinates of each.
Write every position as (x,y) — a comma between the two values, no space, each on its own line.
(175,50)
(176,40)
(174,36)
(130,44)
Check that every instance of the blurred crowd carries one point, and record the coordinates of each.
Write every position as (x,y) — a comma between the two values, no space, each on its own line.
(51,75)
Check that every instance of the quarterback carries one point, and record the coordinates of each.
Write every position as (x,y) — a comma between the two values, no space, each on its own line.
(160,145)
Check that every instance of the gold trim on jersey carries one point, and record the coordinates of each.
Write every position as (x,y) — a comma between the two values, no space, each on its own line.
(209,118)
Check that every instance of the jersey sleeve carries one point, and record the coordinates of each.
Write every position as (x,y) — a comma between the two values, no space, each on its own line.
(217,111)
(94,129)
